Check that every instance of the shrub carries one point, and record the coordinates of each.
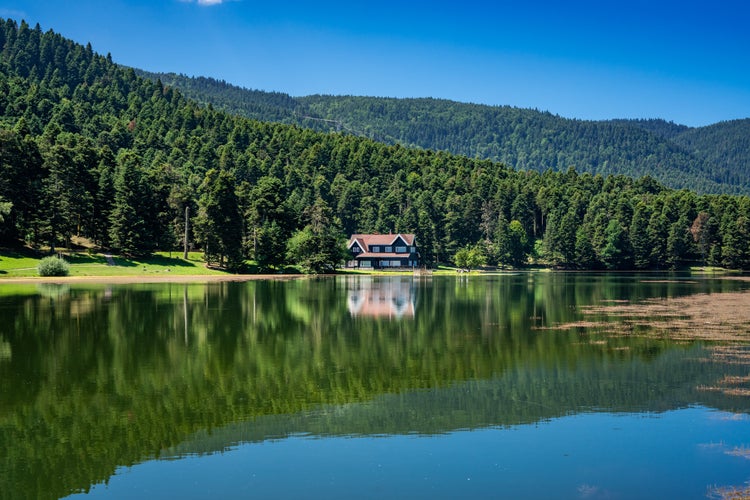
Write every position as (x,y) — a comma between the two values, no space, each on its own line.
(53,266)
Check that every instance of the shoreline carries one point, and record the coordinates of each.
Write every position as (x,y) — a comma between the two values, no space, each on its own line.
(135,279)
(217,278)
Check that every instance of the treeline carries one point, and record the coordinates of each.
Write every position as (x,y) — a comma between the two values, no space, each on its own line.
(255,104)
(88,148)
(713,159)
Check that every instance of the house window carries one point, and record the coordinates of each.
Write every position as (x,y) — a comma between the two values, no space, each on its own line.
(400,249)
(365,263)
(395,263)
(375,249)
(356,249)
(388,249)
(413,249)
(384,263)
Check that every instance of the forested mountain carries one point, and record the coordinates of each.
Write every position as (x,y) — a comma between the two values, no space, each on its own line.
(254,104)
(726,144)
(713,159)
(89,148)
(662,128)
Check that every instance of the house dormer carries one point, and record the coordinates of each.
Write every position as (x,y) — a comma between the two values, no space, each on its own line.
(399,245)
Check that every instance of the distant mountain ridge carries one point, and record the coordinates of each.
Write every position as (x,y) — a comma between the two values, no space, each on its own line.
(711,159)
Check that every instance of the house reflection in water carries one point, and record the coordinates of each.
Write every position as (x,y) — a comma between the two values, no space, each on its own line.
(382,297)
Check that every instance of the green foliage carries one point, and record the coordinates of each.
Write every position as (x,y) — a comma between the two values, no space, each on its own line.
(267,221)
(88,148)
(639,238)
(219,224)
(470,257)
(253,104)
(615,252)
(5,207)
(518,244)
(713,159)
(53,266)
(301,248)
(319,247)
(131,218)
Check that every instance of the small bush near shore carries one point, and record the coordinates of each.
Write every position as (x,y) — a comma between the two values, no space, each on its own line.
(53,266)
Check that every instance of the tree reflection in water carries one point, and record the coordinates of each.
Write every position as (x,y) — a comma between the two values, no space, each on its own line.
(93,377)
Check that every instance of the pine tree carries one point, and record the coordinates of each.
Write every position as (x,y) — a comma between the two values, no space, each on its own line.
(219,223)
(585,255)
(616,252)
(319,246)
(658,234)
(679,242)
(131,219)
(639,237)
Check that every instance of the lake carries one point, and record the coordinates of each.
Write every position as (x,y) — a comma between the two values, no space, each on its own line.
(524,385)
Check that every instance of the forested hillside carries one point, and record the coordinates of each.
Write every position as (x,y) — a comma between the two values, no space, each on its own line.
(89,148)
(713,159)
(255,104)
(726,144)
(662,128)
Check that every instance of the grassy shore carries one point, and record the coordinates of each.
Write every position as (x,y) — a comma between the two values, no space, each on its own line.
(23,263)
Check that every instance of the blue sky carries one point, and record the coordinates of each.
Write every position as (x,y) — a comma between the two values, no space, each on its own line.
(685,61)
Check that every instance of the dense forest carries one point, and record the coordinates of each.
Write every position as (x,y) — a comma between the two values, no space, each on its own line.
(88,148)
(713,159)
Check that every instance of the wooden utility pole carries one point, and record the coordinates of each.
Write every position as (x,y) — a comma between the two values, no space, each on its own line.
(187,221)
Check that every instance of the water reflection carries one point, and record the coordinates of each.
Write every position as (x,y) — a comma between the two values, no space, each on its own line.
(381,297)
(95,377)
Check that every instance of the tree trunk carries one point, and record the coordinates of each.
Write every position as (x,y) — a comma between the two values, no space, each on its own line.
(187,221)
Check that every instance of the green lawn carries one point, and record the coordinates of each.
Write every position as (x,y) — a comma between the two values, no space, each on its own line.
(23,264)
(18,263)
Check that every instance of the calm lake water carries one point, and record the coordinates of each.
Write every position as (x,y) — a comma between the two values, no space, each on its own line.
(347,387)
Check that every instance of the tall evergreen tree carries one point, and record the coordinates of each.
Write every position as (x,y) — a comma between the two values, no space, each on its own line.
(616,252)
(21,180)
(132,216)
(585,255)
(679,242)
(639,237)
(219,222)
(319,246)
